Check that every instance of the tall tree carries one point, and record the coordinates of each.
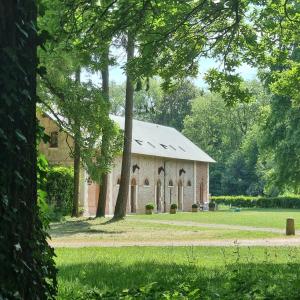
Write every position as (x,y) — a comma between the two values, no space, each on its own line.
(105,140)
(121,204)
(76,156)
(27,268)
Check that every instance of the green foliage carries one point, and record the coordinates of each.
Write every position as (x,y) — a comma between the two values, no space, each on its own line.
(263,202)
(194,205)
(149,206)
(230,135)
(151,291)
(60,189)
(173,206)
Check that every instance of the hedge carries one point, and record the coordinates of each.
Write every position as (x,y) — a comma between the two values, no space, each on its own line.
(60,189)
(260,201)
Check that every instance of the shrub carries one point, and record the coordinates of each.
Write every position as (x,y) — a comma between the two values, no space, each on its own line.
(60,189)
(211,204)
(149,206)
(173,206)
(151,291)
(195,205)
(262,202)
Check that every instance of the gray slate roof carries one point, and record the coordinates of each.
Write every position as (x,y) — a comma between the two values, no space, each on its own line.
(163,141)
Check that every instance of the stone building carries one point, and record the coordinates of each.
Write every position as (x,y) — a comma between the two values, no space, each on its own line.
(166,168)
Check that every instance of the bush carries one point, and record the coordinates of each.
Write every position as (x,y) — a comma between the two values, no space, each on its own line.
(151,291)
(194,205)
(60,190)
(173,206)
(149,206)
(211,204)
(261,202)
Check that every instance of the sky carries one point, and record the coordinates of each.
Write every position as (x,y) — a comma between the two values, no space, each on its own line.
(117,74)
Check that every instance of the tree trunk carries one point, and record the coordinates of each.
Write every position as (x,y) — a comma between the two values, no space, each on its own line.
(105,143)
(120,208)
(24,253)
(75,211)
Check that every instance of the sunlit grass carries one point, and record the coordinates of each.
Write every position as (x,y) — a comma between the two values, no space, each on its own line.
(219,273)
(272,218)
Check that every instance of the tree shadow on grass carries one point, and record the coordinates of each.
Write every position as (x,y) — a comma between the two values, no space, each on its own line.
(70,228)
(234,281)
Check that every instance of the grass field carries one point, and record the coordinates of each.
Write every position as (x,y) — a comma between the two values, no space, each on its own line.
(204,226)
(130,230)
(240,273)
(273,218)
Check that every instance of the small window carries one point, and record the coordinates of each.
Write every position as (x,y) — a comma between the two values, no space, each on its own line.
(164,146)
(172,147)
(181,148)
(54,139)
(139,142)
(171,183)
(189,183)
(146,182)
(119,181)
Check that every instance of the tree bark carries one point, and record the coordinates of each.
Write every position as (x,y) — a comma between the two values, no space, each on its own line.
(105,142)
(121,204)
(24,272)
(75,210)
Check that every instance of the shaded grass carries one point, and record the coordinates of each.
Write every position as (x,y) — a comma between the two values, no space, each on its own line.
(273,218)
(241,273)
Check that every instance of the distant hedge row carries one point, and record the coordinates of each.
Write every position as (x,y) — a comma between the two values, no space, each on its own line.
(263,202)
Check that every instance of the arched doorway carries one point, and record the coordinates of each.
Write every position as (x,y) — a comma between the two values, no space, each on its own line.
(158,195)
(133,193)
(180,195)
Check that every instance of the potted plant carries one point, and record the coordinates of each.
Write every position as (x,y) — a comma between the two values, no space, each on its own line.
(212,206)
(149,208)
(173,208)
(195,207)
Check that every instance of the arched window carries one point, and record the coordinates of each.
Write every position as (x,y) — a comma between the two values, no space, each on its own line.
(171,183)
(119,181)
(146,182)
(189,183)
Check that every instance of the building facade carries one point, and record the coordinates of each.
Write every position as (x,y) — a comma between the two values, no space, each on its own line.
(166,168)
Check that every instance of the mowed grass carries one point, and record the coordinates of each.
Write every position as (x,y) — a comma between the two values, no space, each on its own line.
(272,218)
(230,273)
(131,230)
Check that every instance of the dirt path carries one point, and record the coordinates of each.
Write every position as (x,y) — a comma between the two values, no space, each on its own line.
(274,242)
(209,225)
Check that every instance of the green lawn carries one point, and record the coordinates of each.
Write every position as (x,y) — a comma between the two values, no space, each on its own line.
(273,218)
(133,230)
(231,273)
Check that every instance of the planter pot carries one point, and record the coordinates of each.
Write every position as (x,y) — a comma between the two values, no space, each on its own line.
(148,211)
(173,211)
(212,208)
(194,209)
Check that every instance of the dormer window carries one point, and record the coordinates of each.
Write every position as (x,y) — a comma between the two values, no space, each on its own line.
(139,142)
(164,146)
(53,139)
(181,148)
